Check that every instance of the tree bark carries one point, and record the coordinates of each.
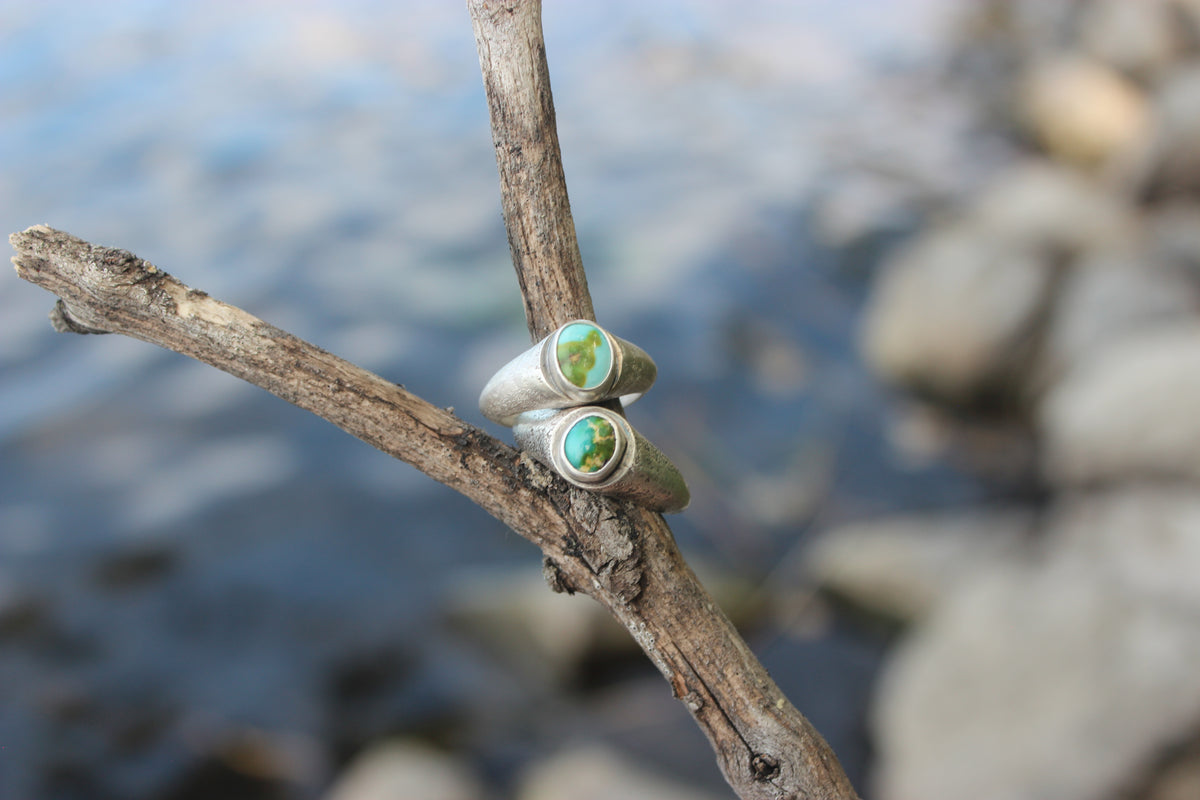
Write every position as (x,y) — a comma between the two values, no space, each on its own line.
(623,556)
(533,189)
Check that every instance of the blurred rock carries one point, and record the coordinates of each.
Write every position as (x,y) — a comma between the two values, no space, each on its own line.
(1178,781)
(1168,163)
(1140,39)
(904,567)
(1143,540)
(1174,235)
(1128,412)
(599,773)
(402,770)
(1051,207)
(135,565)
(1035,683)
(957,314)
(22,610)
(516,616)
(1081,111)
(1108,296)
(1030,26)
(946,314)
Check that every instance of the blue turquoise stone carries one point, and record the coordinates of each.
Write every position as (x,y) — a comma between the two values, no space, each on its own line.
(584,356)
(590,444)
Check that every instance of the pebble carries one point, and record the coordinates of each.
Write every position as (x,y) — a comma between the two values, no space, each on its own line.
(1138,39)
(1129,412)
(946,313)
(596,772)
(404,770)
(1167,163)
(905,566)
(1035,683)
(1108,296)
(1081,111)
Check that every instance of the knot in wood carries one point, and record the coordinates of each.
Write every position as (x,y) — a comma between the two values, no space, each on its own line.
(764,766)
(555,577)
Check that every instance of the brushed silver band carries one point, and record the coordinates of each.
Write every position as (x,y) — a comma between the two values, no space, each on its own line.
(535,380)
(636,470)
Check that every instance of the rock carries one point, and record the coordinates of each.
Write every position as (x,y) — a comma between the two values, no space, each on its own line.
(953,314)
(1174,234)
(1167,164)
(1081,111)
(549,636)
(1178,781)
(1108,296)
(516,615)
(903,567)
(1130,411)
(1051,207)
(1142,540)
(946,313)
(1139,39)
(599,773)
(401,770)
(22,611)
(1035,683)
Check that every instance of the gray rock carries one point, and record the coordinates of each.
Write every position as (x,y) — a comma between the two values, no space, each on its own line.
(1143,540)
(1035,683)
(1129,411)
(1108,296)
(1168,162)
(402,770)
(516,615)
(1174,234)
(956,313)
(1139,39)
(513,613)
(599,773)
(1054,208)
(946,313)
(904,567)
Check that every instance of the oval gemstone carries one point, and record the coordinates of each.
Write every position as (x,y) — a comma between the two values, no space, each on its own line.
(590,444)
(584,356)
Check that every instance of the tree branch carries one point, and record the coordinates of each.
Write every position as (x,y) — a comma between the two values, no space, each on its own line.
(623,556)
(533,189)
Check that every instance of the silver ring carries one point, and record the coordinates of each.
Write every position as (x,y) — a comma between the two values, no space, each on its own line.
(579,363)
(598,450)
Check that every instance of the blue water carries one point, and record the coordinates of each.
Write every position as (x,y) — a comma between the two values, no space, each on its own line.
(180,552)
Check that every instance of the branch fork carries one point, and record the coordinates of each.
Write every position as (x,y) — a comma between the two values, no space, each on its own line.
(622,555)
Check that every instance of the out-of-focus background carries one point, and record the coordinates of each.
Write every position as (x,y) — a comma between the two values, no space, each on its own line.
(921,279)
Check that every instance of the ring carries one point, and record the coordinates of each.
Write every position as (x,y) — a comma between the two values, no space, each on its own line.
(597,449)
(579,363)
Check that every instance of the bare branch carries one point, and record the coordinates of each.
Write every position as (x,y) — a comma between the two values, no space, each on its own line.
(764,746)
(533,190)
(623,556)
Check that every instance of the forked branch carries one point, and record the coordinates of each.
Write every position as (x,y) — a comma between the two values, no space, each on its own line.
(621,555)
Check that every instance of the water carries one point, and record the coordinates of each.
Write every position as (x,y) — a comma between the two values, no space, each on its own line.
(182,555)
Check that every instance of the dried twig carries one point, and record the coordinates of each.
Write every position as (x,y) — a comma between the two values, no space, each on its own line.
(623,556)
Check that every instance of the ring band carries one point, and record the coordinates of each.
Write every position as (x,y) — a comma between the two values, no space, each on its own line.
(598,450)
(577,364)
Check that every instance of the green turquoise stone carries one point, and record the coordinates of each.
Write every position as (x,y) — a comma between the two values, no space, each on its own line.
(590,444)
(584,355)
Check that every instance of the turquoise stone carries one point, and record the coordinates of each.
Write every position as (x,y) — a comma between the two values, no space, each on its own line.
(590,444)
(584,356)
